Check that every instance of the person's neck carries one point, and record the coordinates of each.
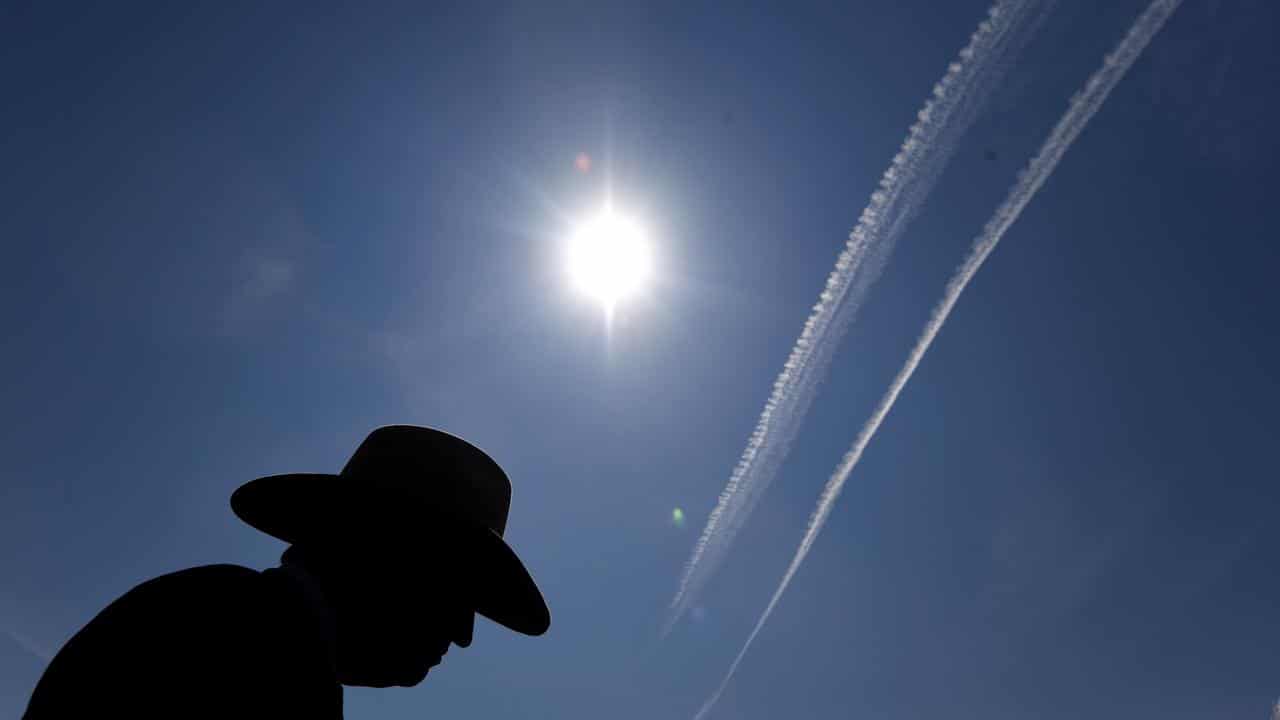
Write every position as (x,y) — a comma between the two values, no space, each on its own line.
(319,609)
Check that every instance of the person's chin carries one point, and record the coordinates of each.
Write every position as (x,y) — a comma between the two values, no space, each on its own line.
(405,679)
(417,676)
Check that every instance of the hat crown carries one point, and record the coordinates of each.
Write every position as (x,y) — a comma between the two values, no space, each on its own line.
(428,466)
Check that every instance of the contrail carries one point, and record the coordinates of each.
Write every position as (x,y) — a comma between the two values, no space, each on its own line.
(29,645)
(930,143)
(1082,108)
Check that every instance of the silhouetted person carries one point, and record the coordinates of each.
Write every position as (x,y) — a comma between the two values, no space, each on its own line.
(388,564)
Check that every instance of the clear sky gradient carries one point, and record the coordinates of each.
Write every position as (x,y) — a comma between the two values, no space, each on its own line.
(237,238)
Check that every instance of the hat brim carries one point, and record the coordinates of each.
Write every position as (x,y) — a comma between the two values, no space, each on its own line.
(301,506)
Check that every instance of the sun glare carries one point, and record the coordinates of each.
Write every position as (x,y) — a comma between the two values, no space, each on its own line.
(609,258)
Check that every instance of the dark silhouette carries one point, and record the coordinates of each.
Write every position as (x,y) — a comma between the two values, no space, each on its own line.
(388,563)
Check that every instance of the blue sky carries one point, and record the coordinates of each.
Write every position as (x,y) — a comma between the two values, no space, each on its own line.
(238,238)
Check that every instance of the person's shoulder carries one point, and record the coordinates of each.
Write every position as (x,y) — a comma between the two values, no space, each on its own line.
(227,576)
(190,599)
(221,572)
(223,587)
(162,629)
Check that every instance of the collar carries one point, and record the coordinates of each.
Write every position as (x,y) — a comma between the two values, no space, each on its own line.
(319,610)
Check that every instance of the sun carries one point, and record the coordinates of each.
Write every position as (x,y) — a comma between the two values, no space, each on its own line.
(609,258)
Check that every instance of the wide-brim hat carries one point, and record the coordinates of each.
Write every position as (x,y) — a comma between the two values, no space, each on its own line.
(402,475)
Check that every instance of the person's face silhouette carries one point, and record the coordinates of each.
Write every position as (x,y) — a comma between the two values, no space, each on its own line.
(398,607)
